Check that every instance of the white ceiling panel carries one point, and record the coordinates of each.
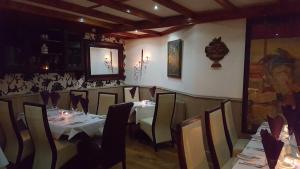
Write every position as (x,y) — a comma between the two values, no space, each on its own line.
(242,3)
(161,29)
(83,3)
(199,5)
(117,13)
(148,6)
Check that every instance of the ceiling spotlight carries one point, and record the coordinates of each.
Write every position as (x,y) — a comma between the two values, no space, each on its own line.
(136,31)
(189,19)
(81,19)
(128,10)
(276,34)
(155,7)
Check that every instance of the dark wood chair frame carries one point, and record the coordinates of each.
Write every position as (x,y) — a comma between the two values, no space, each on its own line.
(47,131)
(209,137)
(16,130)
(106,93)
(229,142)
(155,116)
(181,156)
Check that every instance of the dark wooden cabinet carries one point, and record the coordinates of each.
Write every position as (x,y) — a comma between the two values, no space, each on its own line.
(23,42)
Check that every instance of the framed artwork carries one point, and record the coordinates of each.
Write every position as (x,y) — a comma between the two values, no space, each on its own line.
(174,58)
(272,71)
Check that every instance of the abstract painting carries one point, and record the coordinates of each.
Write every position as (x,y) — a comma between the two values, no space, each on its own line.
(274,79)
(174,58)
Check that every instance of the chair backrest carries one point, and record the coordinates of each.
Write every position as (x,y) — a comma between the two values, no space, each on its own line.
(127,95)
(83,93)
(113,144)
(14,143)
(104,101)
(45,155)
(191,151)
(230,129)
(164,110)
(216,137)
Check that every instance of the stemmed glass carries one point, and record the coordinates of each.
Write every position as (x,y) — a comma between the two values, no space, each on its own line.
(74,102)
(54,99)
(85,104)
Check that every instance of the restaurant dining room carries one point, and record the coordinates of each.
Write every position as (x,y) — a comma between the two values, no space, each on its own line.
(149,84)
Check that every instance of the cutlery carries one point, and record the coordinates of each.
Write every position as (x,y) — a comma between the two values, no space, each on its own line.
(253,165)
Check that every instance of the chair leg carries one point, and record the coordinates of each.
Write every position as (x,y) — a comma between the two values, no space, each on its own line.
(155,147)
(124,163)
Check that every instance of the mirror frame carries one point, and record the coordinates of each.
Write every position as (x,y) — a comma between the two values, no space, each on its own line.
(121,57)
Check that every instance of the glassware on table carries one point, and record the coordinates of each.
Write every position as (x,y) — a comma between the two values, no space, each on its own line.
(54,96)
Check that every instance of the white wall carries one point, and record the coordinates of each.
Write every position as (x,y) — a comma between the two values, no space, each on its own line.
(198,78)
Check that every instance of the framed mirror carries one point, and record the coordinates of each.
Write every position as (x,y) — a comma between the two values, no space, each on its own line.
(104,61)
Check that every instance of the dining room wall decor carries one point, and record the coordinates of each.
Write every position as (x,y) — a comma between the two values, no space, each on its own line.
(216,51)
(175,58)
(272,74)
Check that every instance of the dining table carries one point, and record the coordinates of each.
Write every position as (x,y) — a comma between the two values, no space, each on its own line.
(69,123)
(253,155)
(3,160)
(141,109)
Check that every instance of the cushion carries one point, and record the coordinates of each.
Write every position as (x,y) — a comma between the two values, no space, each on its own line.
(27,144)
(230,163)
(146,126)
(239,146)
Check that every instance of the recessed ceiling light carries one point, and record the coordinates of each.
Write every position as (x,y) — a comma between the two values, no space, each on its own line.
(189,19)
(276,34)
(136,31)
(81,19)
(155,7)
(128,10)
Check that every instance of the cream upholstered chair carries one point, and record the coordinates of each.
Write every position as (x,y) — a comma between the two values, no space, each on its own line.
(191,151)
(83,93)
(236,145)
(49,153)
(127,95)
(104,101)
(158,128)
(18,143)
(217,140)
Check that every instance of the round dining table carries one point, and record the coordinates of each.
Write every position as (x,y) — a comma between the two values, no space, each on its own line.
(3,160)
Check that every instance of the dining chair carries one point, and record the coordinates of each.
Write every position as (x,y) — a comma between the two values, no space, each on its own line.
(127,95)
(83,93)
(49,153)
(191,151)
(109,149)
(18,143)
(235,144)
(104,101)
(217,141)
(158,128)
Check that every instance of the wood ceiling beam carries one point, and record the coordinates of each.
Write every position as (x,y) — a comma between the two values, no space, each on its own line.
(152,32)
(123,34)
(82,10)
(226,4)
(177,7)
(273,9)
(17,6)
(174,29)
(128,9)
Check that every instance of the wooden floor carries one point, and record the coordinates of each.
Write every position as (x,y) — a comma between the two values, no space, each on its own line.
(141,155)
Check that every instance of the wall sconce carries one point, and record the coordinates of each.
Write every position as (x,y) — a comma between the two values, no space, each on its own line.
(142,64)
(108,62)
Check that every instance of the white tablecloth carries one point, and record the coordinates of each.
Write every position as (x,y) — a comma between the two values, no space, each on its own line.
(255,148)
(142,109)
(73,123)
(3,160)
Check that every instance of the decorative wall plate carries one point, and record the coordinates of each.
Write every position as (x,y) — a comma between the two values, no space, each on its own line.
(215,51)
